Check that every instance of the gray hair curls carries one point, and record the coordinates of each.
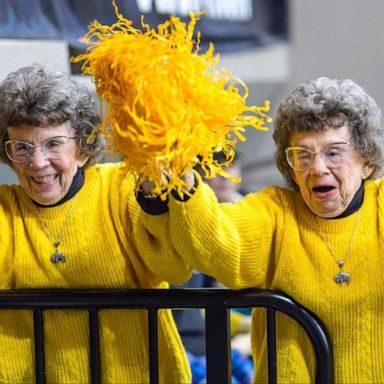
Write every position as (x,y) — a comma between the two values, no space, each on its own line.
(318,104)
(35,95)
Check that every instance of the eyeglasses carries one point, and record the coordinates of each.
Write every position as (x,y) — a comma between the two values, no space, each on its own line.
(301,159)
(20,151)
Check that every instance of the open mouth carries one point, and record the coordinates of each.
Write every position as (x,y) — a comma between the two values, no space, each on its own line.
(323,189)
(44,179)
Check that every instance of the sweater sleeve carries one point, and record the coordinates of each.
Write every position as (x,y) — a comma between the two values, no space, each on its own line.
(147,235)
(154,244)
(232,242)
(7,237)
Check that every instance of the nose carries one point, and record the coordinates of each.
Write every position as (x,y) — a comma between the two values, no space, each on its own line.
(319,166)
(38,159)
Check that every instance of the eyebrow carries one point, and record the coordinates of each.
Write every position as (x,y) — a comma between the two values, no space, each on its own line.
(29,142)
(326,146)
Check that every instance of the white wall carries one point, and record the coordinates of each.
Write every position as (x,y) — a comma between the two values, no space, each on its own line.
(19,53)
(338,38)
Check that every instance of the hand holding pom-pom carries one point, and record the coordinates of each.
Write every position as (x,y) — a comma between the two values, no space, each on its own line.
(148,186)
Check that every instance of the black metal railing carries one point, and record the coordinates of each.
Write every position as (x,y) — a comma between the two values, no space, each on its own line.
(216,302)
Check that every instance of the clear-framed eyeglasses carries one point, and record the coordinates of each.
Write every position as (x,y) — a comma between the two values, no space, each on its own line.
(334,155)
(21,151)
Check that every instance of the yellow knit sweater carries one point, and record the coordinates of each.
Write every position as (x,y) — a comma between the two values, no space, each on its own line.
(106,246)
(271,240)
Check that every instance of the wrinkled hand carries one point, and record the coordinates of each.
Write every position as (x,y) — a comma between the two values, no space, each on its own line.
(189,179)
(147,186)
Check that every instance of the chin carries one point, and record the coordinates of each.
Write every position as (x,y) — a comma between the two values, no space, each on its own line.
(47,203)
(49,197)
(46,200)
(329,214)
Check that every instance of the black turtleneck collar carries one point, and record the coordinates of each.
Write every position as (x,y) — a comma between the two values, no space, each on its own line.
(75,187)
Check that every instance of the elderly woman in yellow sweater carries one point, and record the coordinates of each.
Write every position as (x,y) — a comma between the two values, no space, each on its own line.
(73,224)
(321,240)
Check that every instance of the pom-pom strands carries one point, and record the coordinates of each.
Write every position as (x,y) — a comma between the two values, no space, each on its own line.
(168,106)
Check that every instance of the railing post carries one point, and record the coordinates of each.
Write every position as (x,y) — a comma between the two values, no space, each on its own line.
(94,346)
(217,343)
(153,349)
(38,326)
(271,346)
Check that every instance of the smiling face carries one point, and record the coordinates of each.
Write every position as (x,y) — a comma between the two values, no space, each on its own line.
(44,180)
(327,191)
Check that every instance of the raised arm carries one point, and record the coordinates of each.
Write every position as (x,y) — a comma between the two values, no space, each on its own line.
(231,242)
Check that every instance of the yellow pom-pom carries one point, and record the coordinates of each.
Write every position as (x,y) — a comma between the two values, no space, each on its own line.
(168,106)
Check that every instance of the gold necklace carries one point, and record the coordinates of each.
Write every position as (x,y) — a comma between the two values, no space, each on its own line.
(57,255)
(342,276)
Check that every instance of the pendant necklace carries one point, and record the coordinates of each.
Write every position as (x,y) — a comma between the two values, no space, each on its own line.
(342,276)
(57,256)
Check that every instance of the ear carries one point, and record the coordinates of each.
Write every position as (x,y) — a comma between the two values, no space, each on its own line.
(82,158)
(367,170)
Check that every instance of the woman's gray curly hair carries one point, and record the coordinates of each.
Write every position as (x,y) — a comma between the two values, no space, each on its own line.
(36,94)
(317,104)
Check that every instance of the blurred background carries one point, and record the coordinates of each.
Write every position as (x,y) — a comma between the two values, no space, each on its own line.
(272,45)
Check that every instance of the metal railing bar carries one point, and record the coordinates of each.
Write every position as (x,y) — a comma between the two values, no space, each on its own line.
(271,346)
(138,298)
(179,298)
(38,326)
(153,350)
(217,343)
(94,345)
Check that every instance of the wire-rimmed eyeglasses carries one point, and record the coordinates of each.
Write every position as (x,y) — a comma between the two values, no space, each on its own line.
(20,151)
(334,155)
